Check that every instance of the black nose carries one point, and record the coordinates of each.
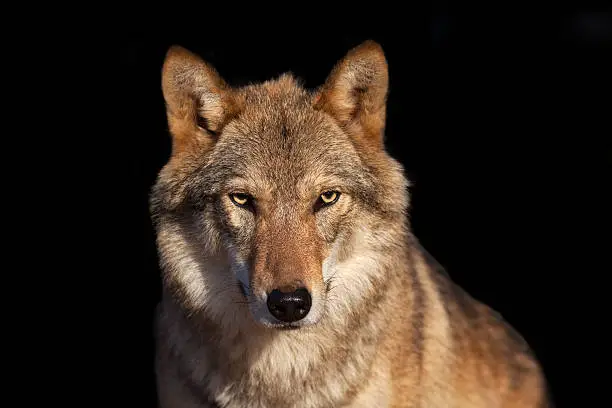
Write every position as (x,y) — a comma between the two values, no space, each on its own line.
(289,306)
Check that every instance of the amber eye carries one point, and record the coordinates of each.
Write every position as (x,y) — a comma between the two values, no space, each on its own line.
(327,198)
(240,199)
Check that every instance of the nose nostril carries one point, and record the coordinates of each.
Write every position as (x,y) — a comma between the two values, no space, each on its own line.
(289,306)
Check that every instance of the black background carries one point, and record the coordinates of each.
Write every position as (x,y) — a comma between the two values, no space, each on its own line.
(499,120)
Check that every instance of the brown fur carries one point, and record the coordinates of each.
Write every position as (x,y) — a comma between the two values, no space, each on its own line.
(387,327)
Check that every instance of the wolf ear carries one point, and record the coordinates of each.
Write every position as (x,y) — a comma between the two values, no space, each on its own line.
(198,101)
(355,92)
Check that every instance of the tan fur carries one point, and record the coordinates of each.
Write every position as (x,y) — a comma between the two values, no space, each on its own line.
(387,327)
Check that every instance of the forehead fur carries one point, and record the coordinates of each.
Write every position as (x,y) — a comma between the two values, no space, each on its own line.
(276,110)
(279,136)
(283,91)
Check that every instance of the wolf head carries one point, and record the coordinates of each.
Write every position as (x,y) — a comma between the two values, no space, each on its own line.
(279,205)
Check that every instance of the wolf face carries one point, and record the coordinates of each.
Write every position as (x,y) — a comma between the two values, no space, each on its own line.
(275,195)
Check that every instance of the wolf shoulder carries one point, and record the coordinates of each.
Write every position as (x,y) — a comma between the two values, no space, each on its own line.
(492,358)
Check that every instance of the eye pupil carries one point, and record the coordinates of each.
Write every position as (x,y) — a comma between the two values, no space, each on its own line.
(327,198)
(239,199)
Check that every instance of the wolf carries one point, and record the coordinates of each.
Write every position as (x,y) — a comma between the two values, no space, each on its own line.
(291,275)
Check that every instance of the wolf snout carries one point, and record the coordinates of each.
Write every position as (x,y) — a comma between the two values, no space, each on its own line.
(289,306)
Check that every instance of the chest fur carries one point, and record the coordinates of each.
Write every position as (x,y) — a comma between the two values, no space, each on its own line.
(289,371)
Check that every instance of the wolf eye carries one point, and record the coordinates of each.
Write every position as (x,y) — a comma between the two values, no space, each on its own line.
(240,199)
(203,124)
(327,198)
